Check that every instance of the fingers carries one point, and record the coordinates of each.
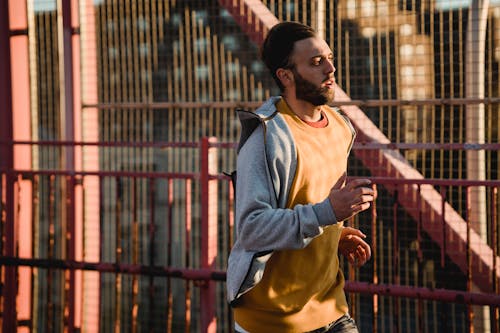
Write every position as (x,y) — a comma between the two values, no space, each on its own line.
(360,256)
(340,183)
(363,196)
(353,247)
(358,182)
(358,208)
(366,250)
(366,192)
(352,198)
(349,231)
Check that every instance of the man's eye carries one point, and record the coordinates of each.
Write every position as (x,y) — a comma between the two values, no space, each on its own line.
(316,62)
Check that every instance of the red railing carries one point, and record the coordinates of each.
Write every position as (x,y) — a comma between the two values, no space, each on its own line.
(164,238)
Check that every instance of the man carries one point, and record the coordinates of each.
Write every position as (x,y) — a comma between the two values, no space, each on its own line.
(292,196)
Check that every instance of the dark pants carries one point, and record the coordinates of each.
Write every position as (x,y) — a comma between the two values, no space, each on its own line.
(344,324)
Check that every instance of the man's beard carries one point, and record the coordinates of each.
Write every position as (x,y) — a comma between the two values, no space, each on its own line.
(307,91)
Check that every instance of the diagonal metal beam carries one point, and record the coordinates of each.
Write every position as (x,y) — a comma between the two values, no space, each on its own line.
(253,17)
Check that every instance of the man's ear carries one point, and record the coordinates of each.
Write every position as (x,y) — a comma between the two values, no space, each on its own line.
(285,76)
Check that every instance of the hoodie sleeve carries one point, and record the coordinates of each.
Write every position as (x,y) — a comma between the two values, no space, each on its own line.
(260,224)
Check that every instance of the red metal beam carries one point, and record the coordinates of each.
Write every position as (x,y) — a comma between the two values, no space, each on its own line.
(192,274)
(21,120)
(209,234)
(253,17)
(68,133)
(443,295)
(89,132)
(9,316)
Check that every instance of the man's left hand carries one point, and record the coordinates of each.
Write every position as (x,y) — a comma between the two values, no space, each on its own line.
(353,247)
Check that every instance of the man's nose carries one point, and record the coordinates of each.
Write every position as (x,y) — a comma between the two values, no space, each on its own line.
(330,68)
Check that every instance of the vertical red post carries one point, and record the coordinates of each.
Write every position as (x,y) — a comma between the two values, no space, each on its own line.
(9,317)
(208,167)
(396,259)
(495,311)
(89,132)
(77,183)
(188,252)
(375,273)
(68,134)
(21,158)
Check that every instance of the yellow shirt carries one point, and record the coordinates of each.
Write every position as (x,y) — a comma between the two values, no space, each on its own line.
(302,290)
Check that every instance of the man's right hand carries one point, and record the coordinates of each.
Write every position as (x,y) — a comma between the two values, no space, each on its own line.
(348,199)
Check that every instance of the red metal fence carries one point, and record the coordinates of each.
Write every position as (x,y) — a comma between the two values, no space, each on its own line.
(101,236)
(162,241)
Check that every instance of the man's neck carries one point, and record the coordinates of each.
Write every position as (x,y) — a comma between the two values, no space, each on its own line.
(303,109)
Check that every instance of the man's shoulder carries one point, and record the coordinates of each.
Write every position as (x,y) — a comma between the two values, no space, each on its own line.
(251,120)
(336,111)
(268,109)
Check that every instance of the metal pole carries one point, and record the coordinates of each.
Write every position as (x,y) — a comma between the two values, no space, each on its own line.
(320,18)
(475,115)
(9,290)
(208,166)
(67,131)
(91,228)
(475,127)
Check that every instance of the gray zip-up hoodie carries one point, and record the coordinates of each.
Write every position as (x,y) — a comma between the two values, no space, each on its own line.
(266,165)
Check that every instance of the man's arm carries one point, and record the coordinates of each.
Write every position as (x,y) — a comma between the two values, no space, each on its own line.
(260,224)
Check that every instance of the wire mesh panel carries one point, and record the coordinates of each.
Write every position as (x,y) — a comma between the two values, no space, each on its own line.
(419,80)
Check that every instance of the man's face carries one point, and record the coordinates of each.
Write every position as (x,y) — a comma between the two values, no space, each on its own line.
(310,92)
(313,71)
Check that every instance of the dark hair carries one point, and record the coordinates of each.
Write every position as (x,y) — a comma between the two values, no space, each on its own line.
(278,45)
